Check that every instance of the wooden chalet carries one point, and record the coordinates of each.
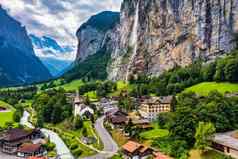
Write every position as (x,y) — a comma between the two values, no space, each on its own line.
(117,118)
(12,139)
(28,149)
(226,143)
(133,149)
(142,124)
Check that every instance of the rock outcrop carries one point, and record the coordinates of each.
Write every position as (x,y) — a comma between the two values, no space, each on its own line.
(18,63)
(157,35)
(98,32)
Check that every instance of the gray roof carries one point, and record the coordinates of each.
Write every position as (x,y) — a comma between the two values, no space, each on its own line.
(226,139)
(162,100)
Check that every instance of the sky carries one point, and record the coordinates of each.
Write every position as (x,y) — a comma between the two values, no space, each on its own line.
(59,19)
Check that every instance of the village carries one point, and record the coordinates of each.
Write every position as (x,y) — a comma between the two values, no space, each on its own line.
(33,143)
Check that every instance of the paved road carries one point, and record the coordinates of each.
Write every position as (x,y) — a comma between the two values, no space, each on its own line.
(110,147)
(61,148)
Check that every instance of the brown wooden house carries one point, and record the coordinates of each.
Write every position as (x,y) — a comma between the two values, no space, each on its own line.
(133,149)
(28,149)
(12,139)
(117,118)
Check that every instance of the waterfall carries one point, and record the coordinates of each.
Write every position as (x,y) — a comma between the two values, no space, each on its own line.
(133,40)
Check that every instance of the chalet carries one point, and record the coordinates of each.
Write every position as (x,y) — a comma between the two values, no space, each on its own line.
(226,143)
(28,149)
(135,150)
(150,107)
(80,108)
(11,140)
(117,118)
(142,124)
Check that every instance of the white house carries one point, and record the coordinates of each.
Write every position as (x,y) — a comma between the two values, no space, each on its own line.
(80,108)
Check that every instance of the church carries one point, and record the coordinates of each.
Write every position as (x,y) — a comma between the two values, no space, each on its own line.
(80,108)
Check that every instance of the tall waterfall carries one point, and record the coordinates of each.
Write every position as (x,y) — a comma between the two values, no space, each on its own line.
(133,40)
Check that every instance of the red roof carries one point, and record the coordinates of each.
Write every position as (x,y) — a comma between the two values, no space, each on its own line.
(37,157)
(159,155)
(131,146)
(29,148)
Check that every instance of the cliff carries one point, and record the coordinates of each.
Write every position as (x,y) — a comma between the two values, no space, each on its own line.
(97,32)
(157,35)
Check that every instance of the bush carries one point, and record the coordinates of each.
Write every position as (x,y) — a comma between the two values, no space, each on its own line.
(77,152)
(74,146)
(49,146)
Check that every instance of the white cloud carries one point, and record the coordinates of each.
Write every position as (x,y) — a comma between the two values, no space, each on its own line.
(59,19)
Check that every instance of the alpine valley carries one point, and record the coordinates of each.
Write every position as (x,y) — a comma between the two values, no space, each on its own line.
(156,80)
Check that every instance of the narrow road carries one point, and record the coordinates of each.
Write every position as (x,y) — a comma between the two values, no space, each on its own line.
(62,150)
(110,146)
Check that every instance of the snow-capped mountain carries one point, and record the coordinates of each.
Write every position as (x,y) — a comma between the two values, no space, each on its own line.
(55,57)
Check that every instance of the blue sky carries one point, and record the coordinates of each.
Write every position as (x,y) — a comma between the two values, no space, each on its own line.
(57,18)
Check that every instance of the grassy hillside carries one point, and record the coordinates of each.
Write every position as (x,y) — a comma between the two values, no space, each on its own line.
(206,87)
(6,116)
(72,86)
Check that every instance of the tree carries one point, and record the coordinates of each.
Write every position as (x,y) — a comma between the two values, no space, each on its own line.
(87,100)
(17,116)
(231,71)
(78,122)
(40,121)
(209,71)
(203,136)
(220,75)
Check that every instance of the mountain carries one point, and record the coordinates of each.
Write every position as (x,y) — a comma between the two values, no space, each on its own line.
(54,56)
(155,36)
(96,40)
(158,35)
(18,63)
(97,31)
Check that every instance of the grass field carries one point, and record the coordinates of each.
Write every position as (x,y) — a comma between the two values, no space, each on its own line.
(118,136)
(73,86)
(210,154)
(206,87)
(154,133)
(6,116)
(121,85)
(92,96)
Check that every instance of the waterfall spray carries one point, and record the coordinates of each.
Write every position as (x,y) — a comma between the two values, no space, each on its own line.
(133,40)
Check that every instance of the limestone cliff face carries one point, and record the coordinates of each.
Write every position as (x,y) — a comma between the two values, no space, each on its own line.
(99,31)
(157,35)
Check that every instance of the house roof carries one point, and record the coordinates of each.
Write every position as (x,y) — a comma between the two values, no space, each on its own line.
(131,146)
(33,157)
(78,100)
(166,99)
(226,139)
(144,148)
(29,148)
(159,155)
(86,109)
(17,134)
(118,119)
(162,99)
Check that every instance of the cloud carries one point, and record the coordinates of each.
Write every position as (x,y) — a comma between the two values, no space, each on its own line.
(59,19)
